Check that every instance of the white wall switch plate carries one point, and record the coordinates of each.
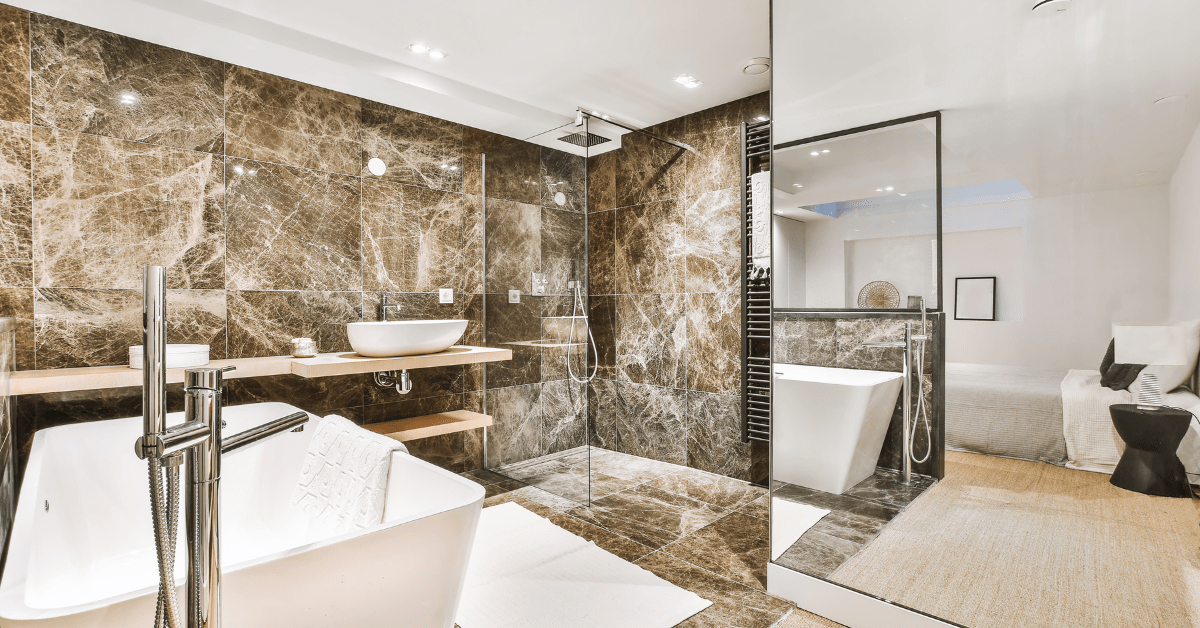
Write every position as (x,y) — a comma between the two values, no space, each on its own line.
(514,296)
(446,295)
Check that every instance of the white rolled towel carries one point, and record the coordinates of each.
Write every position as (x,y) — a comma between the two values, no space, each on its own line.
(760,207)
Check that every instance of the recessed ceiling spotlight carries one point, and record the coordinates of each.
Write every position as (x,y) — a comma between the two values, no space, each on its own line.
(1051,6)
(437,54)
(902,194)
(422,49)
(889,188)
(1145,173)
(814,153)
(757,65)
(797,185)
(1170,99)
(825,151)
(878,189)
(687,80)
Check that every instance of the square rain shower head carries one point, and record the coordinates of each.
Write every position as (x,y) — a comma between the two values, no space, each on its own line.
(586,140)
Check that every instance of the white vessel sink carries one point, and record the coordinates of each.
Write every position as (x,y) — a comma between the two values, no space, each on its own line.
(389,339)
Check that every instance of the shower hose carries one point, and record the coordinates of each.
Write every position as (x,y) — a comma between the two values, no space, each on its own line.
(922,413)
(164,506)
(577,310)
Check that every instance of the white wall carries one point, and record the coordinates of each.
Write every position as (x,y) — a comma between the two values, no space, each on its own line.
(787,263)
(906,262)
(1185,234)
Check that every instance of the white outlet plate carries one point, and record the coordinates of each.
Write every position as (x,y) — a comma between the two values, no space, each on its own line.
(514,296)
(446,295)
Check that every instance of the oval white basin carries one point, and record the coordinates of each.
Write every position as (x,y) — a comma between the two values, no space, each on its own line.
(389,339)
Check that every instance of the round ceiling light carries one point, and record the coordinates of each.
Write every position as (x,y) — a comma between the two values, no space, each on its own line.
(1051,6)
(757,65)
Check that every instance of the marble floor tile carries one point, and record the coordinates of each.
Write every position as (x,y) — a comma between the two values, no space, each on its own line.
(734,605)
(841,503)
(483,477)
(844,525)
(758,508)
(501,487)
(736,546)
(605,540)
(886,487)
(714,489)
(533,499)
(818,554)
(648,515)
(629,467)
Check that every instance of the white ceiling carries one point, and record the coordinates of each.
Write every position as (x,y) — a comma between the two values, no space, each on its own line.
(1063,102)
(517,67)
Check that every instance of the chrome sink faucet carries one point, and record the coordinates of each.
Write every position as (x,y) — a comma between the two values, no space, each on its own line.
(197,441)
(384,305)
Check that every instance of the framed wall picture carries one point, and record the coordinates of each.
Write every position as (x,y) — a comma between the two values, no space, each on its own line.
(975,299)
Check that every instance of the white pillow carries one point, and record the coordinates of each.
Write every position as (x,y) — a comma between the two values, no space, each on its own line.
(1170,352)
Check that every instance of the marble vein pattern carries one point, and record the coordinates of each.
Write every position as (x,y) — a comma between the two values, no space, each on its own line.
(274,119)
(457,452)
(412,238)
(602,412)
(515,434)
(734,605)
(14,64)
(714,342)
(650,422)
(648,169)
(602,253)
(292,228)
(650,253)
(16,204)
(563,409)
(97,82)
(17,303)
(533,499)
(408,408)
(715,134)
(711,488)
(712,243)
(851,333)
(318,395)
(602,312)
(513,167)
(735,546)
(103,208)
(472,244)
(566,173)
(759,508)
(416,149)
(602,181)
(648,515)
(627,467)
(818,554)
(417,306)
(514,323)
(605,540)
(263,323)
(514,237)
(439,381)
(714,435)
(75,327)
(652,339)
(564,254)
(807,341)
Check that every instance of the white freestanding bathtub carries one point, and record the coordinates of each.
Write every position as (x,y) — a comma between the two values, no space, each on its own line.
(82,552)
(829,424)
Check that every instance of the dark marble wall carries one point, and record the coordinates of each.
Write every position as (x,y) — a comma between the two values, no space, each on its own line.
(834,339)
(8,485)
(666,295)
(253,190)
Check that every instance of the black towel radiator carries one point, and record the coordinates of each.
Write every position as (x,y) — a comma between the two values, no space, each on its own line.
(756,296)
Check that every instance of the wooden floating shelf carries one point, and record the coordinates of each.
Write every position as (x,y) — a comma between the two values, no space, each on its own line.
(324,365)
(405,430)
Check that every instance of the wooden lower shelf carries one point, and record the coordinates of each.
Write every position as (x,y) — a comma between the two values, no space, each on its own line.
(405,430)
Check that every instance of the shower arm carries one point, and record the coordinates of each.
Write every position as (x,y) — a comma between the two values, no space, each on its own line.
(581,113)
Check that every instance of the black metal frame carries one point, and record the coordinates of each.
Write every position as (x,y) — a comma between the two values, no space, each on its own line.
(757,304)
(937,117)
(958,279)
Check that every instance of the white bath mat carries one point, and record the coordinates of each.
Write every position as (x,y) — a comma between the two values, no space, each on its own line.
(526,572)
(789,522)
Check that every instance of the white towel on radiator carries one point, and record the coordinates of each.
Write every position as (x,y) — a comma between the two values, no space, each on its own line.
(760,210)
(343,481)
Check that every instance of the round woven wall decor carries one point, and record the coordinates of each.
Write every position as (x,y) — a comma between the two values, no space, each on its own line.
(879,295)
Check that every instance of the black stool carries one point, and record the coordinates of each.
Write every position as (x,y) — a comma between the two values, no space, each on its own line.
(1149,464)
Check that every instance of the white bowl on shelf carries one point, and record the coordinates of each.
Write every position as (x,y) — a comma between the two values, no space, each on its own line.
(178,356)
(389,339)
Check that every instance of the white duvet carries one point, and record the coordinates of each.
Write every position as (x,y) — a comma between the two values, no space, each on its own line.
(1092,441)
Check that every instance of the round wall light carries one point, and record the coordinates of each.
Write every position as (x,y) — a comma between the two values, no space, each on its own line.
(376,166)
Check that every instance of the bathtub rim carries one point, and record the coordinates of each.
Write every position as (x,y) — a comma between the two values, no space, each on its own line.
(882,376)
(12,583)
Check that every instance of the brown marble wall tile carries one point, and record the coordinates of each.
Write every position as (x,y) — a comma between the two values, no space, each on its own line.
(291,228)
(563,244)
(602,411)
(264,323)
(438,381)
(565,173)
(851,333)
(472,244)
(318,395)
(513,167)
(509,323)
(714,435)
(417,149)
(271,118)
(103,208)
(651,339)
(602,250)
(714,343)
(651,422)
(457,452)
(516,431)
(650,248)
(563,408)
(514,248)
(713,248)
(808,341)
(602,181)
(602,311)
(715,134)
(415,306)
(14,64)
(89,327)
(412,238)
(649,170)
(98,82)
(17,303)
(16,204)
(408,408)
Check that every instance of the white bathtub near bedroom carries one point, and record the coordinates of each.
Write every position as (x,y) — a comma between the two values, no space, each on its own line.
(829,424)
(88,560)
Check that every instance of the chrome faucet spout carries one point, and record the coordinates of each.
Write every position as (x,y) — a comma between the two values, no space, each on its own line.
(291,423)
